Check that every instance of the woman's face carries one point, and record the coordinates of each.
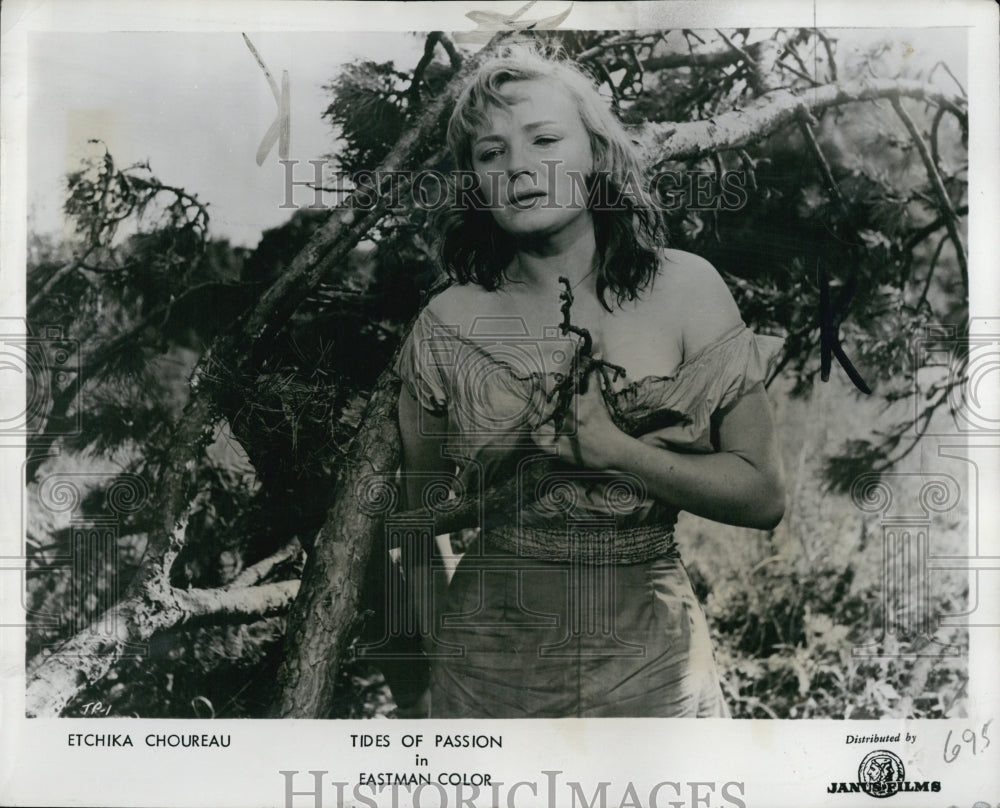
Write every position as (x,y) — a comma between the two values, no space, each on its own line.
(532,159)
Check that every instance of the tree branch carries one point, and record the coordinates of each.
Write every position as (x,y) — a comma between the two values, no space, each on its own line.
(56,277)
(413,91)
(613,42)
(828,45)
(449,47)
(769,113)
(242,604)
(943,200)
(746,57)
(54,679)
(256,573)
(798,73)
(930,272)
(824,167)
(708,58)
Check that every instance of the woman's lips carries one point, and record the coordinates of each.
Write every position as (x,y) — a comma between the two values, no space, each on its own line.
(525,197)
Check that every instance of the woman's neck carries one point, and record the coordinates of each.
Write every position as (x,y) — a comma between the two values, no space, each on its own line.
(539,263)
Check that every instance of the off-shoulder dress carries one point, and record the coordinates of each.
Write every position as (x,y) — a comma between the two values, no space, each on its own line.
(576,602)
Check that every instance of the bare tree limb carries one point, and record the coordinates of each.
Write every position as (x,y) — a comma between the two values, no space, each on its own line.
(243,604)
(828,43)
(746,57)
(453,55)
(610,43)
(413,91)
(150,606)
(256,573)
(797,73)
(930,271)
(953,77)
(943,200)
(769,113)
(707,58)
(824,167)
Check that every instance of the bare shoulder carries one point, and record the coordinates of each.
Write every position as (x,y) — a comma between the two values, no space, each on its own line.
(694,292)
(459,304)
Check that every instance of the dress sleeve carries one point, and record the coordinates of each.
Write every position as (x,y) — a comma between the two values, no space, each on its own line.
(741,363)
(422,365)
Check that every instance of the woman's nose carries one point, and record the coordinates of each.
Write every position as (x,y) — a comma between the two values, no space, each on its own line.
(518,163)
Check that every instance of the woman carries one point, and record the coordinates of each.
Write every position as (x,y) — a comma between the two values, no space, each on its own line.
(575,602)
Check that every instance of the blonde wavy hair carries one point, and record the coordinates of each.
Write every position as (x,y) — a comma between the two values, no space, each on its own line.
(628,225)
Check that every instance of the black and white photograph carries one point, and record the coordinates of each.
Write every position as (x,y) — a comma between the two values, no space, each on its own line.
(420,404)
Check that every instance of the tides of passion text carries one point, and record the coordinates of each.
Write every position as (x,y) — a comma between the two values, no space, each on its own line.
(385,741)
(420,744)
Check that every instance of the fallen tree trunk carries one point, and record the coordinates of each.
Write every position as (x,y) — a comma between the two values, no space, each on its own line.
(55,679)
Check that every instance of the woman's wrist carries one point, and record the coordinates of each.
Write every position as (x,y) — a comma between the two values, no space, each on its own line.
(614,451)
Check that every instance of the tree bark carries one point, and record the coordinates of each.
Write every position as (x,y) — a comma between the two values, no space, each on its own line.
(319,622)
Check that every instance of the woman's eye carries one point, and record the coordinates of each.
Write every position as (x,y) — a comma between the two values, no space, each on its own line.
(544,140)
(489,154)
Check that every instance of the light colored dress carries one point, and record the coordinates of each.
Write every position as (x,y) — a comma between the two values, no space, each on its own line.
(575,603)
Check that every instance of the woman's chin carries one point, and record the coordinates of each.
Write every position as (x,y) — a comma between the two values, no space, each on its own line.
(531,225)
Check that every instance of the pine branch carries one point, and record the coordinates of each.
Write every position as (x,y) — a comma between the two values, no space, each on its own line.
(413,91)
(57,277)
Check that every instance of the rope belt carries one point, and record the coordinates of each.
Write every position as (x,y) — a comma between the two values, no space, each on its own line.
(585,543)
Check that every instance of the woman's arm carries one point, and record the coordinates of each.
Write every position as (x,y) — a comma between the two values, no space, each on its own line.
(422,439)
(420,433)
(740,484)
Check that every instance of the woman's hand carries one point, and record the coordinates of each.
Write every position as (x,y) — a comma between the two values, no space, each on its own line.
(588,438)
